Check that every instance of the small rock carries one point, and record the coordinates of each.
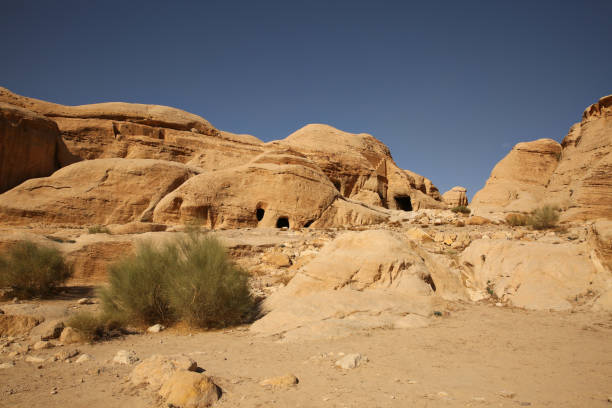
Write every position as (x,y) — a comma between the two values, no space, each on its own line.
(499,304)
(7,365)
(157,369)
(349,361)
(125,357)
(156,328)
(34,359)
(85,301)
(49,329)
(189,389)
(41,345)
(83,358)
(287,380)
(65,354)
(507,394)
(1,311)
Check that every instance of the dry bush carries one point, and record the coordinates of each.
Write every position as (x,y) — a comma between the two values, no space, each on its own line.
(96,326)
(98,229)
(30,270)
(544,217)
(461,209)
(516,220)
(189,279)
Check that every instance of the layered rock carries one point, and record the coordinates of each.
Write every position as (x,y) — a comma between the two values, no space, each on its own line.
(574,175)
(28,146)
(104,191)
(456,197)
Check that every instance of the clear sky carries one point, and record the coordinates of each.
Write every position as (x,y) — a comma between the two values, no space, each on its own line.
(449,86)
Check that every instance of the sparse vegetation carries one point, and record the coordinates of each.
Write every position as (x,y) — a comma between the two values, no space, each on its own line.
(544,217)
(516,220)
(98,229)
(461,209)
(31,270)
(96,326)
(190,279)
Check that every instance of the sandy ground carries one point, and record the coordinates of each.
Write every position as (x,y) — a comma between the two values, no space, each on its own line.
(462,360)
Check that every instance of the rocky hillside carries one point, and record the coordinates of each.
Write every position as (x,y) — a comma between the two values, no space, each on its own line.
(575,175)
(123,163)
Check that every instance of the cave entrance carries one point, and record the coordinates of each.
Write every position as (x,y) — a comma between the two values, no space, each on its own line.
(403,203)
(282,222)
(259,213)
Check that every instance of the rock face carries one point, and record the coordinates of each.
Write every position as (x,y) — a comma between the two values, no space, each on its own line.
(105,191)
(456,197)
(28,146)
(574,175)
(318,173)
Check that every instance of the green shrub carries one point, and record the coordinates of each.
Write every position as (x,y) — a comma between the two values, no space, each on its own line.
(30,270)
(544,217)
(189,279)
(98,229)
(516,220)
(461,209)
(96,326)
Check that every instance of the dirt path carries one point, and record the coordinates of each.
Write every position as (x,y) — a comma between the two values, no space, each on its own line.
(463,360)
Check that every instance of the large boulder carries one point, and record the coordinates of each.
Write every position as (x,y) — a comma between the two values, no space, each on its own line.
(518,182)
(360,280)
(28,146)
(278,188)
(456,197)
(532,275)
(105,191)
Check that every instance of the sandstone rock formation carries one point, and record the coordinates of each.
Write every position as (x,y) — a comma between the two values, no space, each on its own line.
(28,146)
(316,174)
(456,197)
(105,191)
(575,175)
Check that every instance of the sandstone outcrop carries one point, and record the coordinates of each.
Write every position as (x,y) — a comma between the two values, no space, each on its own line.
(105,191)
(456,197)
(574,175)
(28,146)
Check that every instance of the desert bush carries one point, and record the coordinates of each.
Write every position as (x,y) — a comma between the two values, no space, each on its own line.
(30,270)
(96,326)
(516,220)
(544,217)
(461,209)
(189,279)
(98,229)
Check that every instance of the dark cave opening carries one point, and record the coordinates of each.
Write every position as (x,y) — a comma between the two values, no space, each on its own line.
(403,203)
(282,222)
(259,213)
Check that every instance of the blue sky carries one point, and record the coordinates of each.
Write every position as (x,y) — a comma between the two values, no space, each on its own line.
(449,86)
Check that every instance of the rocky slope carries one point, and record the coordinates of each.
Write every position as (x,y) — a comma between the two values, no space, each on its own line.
(574,175)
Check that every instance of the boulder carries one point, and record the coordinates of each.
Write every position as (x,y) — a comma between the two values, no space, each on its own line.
(70,336)
(456,197)
(282,381)
(126,357)
(187,389)
(157,369)
(531,275)
(104,191)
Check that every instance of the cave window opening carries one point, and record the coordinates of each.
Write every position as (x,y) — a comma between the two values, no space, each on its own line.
(308,223)
(259,213)
(282,222)
(403,203)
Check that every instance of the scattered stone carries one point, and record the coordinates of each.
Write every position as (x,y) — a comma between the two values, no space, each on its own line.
(34,359)
(417,234)
(349,361)
(41,345)
(70,335)
(7,365)
(277,259)
(156,328)
(507,394)
(283,381)
(49,329)
(189,389)
(1,312)
(83,358)
(66,354)
(125,357)
(85,301)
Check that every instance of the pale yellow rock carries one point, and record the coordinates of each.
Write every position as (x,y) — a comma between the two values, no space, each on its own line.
(282,381)
(70,336)
(17,325)
(157,369)
(187,389)
(456,197)
(417,234)
(277,259)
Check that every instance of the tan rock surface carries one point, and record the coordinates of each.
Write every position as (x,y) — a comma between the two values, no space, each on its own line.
(187,389)
(456,197)
(28,146)
(16,325)
(101,191)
